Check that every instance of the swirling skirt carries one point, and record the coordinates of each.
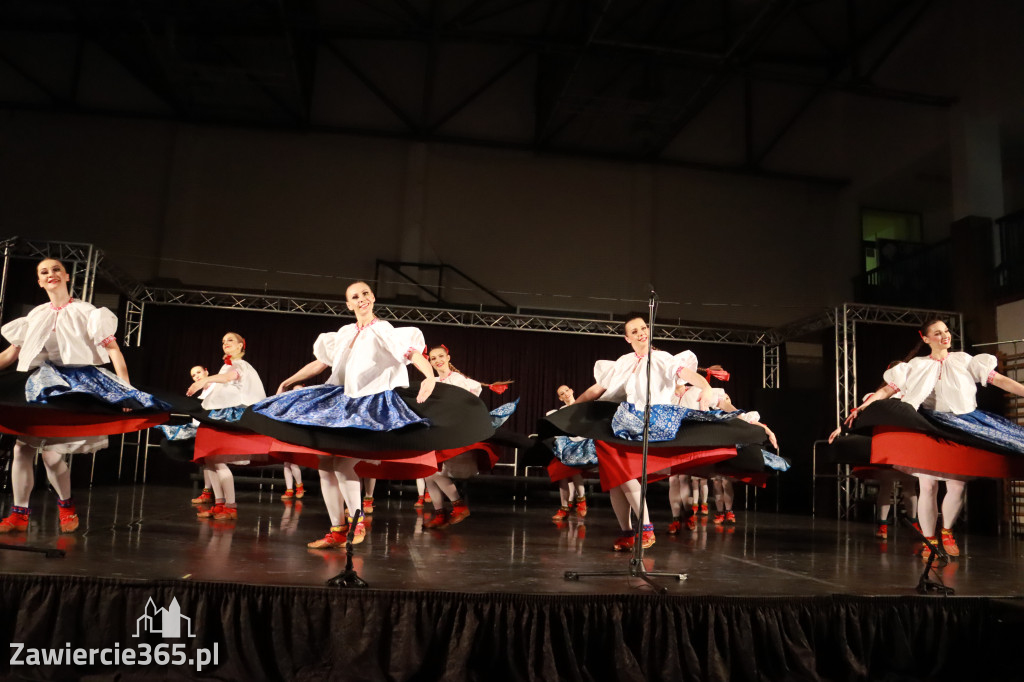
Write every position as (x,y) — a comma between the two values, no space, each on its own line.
(628,421)
(696,445)
(70,407)
(328,406)
(903,437)
(470,460)
(450,418)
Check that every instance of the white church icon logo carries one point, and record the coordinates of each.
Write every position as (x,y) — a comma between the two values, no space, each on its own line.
(167,622)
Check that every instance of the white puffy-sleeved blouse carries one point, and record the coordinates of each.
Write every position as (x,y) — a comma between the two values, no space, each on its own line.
(73,335)
(245,389)
(462,381)
(948,385)
(369,360)
(626,378)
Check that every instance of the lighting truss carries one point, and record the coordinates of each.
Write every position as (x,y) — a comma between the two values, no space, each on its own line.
(508,320)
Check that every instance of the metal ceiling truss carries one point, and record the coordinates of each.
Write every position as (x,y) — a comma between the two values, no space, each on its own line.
(81,260)
(254,63)
(509,320)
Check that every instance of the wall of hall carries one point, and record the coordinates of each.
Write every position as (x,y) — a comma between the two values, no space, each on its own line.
(249,209)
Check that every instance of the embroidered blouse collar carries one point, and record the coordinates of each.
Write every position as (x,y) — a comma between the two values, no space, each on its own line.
(58,309)
(361,327)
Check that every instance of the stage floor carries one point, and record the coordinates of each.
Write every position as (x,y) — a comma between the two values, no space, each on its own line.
(151,533)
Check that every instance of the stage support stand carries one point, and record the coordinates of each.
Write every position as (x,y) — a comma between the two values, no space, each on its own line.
(636,562)
(349,577)
(925,585)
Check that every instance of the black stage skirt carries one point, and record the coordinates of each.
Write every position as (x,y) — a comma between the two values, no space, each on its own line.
(457,417)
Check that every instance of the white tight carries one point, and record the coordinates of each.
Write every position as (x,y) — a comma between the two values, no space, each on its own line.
(723,494)
(700,490)
(625,498)
(678,493)
(368,485)
(292,474)
(570,489)
(23,473)
(339,486)
(221,480)
(441,483)
(927,509)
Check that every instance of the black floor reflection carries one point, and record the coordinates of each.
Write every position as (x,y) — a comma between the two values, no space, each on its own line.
(152,533)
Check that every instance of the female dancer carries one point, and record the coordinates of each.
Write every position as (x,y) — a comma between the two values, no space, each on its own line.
(942,385)
(468,460)
(577,453)
(361,406)
(237,385)
(64,341)
(626,378)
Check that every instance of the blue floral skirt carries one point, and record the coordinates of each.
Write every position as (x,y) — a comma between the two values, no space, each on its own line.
(51,381)
(628,421)
(179,432)
(328,406)
(575,452)
(501,413)
(986,426)
(773,461)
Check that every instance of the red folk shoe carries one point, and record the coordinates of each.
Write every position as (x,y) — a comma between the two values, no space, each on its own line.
(949,542)
(225,513)
(211,512)
(335,538)
(14,523)
(205,497)
(581,507)
(730,518)
(438,520)
(625,542)
(561,514)
(459,513)
(300,492)
(360,532)
(647,538)
(367,505)
(675,527)
(419,503)
(68,519)
(289,495)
